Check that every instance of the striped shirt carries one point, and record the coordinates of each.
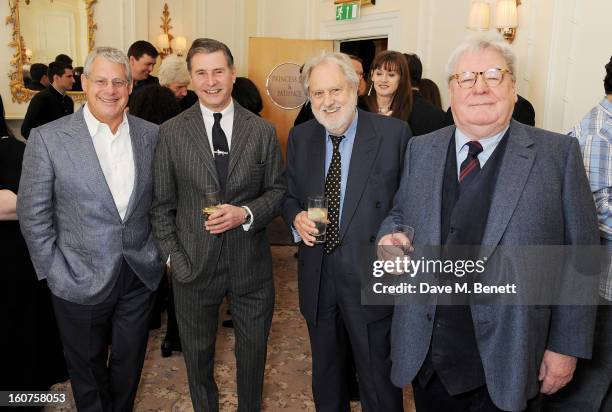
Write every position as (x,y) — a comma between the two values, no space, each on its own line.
(594,132)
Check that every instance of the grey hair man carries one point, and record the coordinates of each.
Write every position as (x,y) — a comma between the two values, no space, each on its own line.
(319,153)
(83,206)
(479,183)
(174,75)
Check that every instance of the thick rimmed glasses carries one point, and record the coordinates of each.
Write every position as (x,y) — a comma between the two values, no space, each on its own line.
(492,77)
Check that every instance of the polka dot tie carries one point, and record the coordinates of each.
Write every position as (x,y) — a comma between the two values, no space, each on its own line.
(332,192)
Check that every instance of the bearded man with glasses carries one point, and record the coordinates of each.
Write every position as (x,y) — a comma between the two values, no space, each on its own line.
(83,205)
(494,184)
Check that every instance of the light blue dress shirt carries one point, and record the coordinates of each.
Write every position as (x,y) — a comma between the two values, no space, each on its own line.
(346,151)
(488,146)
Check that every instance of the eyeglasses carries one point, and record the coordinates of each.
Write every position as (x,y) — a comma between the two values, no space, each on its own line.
(492,77)
(320,94)
(115,83)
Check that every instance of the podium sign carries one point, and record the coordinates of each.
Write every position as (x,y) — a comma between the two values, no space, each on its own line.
(347,11)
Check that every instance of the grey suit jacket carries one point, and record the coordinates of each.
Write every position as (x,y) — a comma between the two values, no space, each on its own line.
(185,169)
(69,220)
(541,197)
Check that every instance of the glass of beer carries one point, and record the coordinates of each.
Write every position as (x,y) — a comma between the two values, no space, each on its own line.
(317,212)
(212,201)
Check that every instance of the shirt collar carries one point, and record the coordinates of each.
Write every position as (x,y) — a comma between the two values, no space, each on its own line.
(228,111)
(607,105)
(55,92)
(461,140)
(349,133)
(93,124)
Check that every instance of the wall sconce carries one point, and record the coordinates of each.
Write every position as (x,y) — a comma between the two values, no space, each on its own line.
(179,45)
(506,18)
(164,40)
(479,16)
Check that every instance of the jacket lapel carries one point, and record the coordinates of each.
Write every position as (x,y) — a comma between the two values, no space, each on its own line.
(437,165)
(365,150)
(240,130)
(83,154)
(197,133)
(317,156)
(142,158)
(514,171)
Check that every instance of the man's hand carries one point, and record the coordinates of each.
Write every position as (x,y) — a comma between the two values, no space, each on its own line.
(305,228)
(394,245)
(556,371)
(226,218)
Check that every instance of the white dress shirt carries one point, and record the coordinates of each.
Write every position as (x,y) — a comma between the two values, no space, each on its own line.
(115,156)
(227,123)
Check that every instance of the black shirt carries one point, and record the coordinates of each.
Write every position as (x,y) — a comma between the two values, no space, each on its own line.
(46,106)
(36,86)
(189,100)
(425,117)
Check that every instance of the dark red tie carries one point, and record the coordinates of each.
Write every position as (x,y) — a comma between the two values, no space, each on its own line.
(470,166)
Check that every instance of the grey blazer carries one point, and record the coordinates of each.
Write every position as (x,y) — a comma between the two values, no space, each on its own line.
(185,169)
(542,197)
(76,238)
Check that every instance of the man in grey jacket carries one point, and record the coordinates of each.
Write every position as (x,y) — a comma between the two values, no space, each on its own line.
(495,184)
(83,206)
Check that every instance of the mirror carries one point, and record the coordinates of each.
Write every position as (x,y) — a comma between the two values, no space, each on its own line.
(42,29)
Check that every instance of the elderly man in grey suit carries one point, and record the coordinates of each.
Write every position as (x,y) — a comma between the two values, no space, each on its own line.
(217,145)
(83,206)
(494,182)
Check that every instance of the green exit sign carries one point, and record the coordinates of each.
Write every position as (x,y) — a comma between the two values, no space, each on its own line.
(347,11)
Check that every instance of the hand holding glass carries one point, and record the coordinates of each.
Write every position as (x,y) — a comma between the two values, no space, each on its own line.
(317,212)
(212,201)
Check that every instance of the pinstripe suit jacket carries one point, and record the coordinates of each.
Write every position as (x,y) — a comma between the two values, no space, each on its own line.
(185,169)
(76,238)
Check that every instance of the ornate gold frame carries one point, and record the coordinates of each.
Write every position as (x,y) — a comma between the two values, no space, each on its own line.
(20,93)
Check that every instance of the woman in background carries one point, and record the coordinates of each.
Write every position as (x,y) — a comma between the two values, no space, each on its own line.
(389,91)
(32,356)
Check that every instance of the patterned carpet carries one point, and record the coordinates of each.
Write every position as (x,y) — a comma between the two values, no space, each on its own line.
(163,386)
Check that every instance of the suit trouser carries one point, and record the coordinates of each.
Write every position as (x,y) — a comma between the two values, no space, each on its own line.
(101,382)
(197,311)
(590,390)
(370,344)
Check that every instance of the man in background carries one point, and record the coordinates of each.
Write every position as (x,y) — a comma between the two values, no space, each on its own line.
(591,388)
(38,73)
(51,103)
(174,75)
(142,56)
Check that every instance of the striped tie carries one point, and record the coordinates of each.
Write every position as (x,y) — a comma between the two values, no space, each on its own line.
(470,166)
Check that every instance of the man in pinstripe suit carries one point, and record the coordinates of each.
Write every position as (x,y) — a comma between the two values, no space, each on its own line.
(217,144)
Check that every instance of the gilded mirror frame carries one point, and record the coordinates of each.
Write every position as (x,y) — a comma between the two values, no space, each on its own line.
(20,93)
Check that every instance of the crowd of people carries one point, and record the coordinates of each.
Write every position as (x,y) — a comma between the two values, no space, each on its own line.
(102,201)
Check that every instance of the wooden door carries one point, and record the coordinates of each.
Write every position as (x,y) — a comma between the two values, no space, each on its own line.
(265,53)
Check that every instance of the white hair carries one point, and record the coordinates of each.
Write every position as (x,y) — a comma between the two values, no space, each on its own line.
(340,59)
(173,69)
(111,54)
(482,41)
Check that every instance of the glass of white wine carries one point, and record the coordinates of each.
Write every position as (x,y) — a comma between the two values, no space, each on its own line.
(317,212)
(212,201)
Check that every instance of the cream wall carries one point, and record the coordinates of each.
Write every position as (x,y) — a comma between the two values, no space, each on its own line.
(561,44)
